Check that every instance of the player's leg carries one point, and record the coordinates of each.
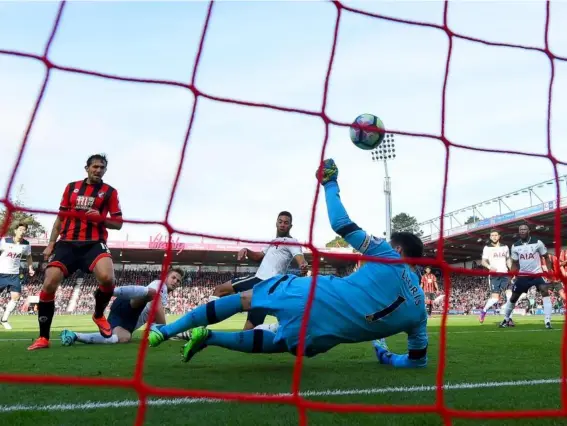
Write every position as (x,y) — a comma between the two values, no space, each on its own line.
(497,286)
(521,285)
(15,287)
(119,335)
(250,341)
(430,298)
(54,275)
(543,288)
(493,284)
(236,285)
(209,313)
(224,289)
(10,306)
(122,319)
(255,318)
(99,261)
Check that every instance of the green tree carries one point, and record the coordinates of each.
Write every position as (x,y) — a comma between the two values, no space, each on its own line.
(406,222)
(35,228)
(337,242)
(471,219)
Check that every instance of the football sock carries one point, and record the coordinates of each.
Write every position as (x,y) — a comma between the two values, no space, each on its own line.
(130,291)
(209,313)
(102,297)
(251,341)
(45,312)
(508,308)
(547,308)
(9,308)
(429,308)
(95,338)
(489,303)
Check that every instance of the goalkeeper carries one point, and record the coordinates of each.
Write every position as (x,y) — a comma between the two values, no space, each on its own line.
(377,301)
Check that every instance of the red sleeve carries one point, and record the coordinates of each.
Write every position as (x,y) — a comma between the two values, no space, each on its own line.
(114,205)
(64,205)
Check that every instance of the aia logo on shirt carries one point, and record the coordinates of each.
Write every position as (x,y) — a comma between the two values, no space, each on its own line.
(498,254)
(527,256)
(13,255)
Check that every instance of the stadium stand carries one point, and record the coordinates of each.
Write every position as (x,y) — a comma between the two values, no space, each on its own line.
(468,294)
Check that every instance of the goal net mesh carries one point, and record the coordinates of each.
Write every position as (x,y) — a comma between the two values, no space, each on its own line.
(295,398)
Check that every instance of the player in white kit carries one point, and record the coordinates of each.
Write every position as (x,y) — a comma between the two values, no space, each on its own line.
(130,311)
(526,255)
(12,251)
(275,259)
(496,258)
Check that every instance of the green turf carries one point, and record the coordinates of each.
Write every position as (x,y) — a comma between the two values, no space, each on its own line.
(475,353)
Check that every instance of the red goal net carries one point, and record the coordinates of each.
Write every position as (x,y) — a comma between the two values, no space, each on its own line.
(295,398)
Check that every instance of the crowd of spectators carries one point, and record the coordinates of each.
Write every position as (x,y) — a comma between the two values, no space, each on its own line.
(468,293)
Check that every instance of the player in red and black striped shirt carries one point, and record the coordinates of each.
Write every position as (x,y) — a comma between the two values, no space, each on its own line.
(88,208)
(430,287)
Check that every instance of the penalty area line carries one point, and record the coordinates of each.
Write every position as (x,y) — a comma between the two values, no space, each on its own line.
(93,405)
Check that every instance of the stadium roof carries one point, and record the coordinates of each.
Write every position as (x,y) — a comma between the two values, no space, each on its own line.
(465,242)
(153,252)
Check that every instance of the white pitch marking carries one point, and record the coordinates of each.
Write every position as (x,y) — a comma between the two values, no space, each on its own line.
(92,405)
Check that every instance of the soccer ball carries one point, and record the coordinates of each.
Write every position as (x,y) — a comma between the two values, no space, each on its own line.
(367,135)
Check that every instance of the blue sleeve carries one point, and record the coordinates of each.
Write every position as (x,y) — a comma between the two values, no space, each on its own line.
(350,231)
(417,338)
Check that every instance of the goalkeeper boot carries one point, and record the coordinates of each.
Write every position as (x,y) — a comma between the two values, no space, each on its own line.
(68,337)
(329,172)
(196,343)
(381,349)
(155,337)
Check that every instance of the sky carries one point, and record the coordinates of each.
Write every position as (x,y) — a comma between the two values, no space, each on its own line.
(243,165)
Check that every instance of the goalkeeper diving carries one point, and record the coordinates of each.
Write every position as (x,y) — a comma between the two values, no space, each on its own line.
(377,301)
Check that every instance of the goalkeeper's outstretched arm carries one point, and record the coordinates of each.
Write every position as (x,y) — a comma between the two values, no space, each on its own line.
(340,221)
(417,350)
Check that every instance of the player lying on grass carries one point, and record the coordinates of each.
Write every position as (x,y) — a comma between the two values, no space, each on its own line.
(130,311)
(376,301)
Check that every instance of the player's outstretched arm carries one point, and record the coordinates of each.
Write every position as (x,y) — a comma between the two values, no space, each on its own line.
(339,218)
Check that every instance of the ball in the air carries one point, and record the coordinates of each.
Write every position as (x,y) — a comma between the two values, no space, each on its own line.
(367,131)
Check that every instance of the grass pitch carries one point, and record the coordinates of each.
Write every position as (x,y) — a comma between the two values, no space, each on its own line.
(487,369)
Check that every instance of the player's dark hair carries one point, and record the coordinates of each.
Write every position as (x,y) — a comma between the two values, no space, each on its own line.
(18,224)
(179,271)
(410,243)
(495,230)
(99,157)
(286,214)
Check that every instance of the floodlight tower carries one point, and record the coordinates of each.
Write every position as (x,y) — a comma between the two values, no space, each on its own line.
(385,152)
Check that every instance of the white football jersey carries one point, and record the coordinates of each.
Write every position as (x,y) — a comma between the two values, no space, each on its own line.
(11,254)
(277,257)
(146,312)
(497,256)
(528,254)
